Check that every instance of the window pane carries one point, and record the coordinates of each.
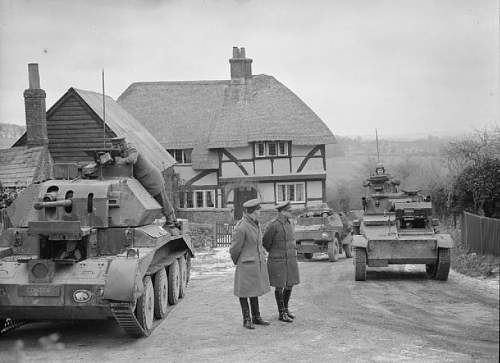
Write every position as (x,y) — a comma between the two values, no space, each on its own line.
(189,200)
(209,197)
(199,199)
(281,192)
(178,156)
(291,192)
(171,152)
(187,156)
(182,199)
(271,148)
(299,192)
(259,149)
(283,148)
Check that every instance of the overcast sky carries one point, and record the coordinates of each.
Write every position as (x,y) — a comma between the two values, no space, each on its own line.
(419,66)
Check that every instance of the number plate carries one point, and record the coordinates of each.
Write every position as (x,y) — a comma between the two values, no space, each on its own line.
(39,291)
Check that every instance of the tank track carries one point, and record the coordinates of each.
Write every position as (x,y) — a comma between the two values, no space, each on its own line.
(125,317)
(10,324)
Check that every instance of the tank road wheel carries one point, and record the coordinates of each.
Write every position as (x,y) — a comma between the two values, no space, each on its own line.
(348,250)
(359,264)
(161,293)
(173,283)
(308,255)
(333,250)
(145,306)
(443,264)
(182,276)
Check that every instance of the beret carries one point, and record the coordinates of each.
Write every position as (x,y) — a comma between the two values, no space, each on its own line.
(252,203)
(283,205)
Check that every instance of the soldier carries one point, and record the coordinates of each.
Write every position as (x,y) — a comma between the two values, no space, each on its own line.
(250,279)
(149,176)
(283,269)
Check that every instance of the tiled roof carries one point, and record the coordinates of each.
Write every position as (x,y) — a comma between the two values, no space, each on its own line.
(212,114)
(124,124)
(21,165)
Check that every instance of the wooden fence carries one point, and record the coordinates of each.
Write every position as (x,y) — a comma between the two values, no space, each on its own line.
(223,233)
(481,234)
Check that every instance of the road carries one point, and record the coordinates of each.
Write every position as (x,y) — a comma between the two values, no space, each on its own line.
(396,315)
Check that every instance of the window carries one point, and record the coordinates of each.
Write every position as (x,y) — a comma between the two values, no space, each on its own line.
(182,156)
(271,148)
(198,199)
(293,192)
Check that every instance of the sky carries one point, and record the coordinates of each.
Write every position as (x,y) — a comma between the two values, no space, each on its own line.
(403,67)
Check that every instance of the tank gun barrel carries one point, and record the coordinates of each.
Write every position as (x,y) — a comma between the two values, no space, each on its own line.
(53,204)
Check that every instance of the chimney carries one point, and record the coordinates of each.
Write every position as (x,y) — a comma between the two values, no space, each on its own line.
(241,66)
(34,105)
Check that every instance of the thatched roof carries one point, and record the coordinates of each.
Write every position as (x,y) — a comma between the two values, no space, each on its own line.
(22,165)
(213,114)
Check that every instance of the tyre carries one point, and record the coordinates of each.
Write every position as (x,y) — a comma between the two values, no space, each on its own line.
(182,276)
(188,266)
(145,306)
(359,264)
(443,264)
(333,250)
(173,283)
(348,250)
(430,269)
(161,293)
(308,255)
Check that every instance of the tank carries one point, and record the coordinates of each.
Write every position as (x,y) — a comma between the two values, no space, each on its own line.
(397,228)
(88,245)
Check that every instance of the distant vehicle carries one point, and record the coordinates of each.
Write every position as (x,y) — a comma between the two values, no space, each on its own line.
(320,229)
(397,228)
(86,246)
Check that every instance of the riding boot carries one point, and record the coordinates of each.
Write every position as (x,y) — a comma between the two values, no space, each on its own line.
(247,321)
(278,294)
(256,318)
(286,299)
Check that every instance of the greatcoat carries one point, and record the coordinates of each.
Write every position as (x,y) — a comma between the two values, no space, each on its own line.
(251,277)
(279,241)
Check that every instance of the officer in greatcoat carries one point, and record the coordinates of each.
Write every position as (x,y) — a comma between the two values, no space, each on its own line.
(251,278)
(149,176)
(279,241)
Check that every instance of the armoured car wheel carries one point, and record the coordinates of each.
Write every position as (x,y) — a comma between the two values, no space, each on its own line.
(359,264)
(308,255)
(347,250)
(182,276)
(161,293)
(443,264)
(145,305)
(333,250)
(173,283)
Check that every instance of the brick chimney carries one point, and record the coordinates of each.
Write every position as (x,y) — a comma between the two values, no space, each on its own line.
(34,105)
(241,66)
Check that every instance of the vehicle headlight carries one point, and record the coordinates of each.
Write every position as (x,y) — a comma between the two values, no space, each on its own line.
(82,296)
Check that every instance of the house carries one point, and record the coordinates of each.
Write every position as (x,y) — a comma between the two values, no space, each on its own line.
(233,140)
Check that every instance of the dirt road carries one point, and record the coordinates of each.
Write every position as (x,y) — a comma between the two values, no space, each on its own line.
(396,315)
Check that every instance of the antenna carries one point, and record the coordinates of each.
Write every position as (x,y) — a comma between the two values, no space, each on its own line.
(103,114)
(376,137)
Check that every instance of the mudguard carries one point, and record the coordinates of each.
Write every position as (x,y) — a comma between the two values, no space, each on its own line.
(123,281)
(359,241)
(444,241)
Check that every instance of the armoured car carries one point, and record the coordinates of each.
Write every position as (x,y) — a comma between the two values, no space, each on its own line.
(88,245)
(397,228)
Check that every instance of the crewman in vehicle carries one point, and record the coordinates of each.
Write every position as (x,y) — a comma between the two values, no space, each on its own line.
(149,176)
(251,279)
(282,265)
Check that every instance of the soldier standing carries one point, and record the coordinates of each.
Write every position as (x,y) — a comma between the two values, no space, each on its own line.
(149,176)
(283,269)
(251,279)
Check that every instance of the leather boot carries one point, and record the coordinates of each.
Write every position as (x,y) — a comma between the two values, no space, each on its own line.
(247,321)
(286,299)
(278,294)
(256,318)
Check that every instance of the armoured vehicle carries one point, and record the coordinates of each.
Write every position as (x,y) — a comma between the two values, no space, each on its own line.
(320,229)
(85,245)
(397,228)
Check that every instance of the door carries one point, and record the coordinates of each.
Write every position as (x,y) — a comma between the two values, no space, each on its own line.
(241,195)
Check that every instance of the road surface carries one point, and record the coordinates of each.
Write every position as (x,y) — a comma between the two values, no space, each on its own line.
(396,315)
